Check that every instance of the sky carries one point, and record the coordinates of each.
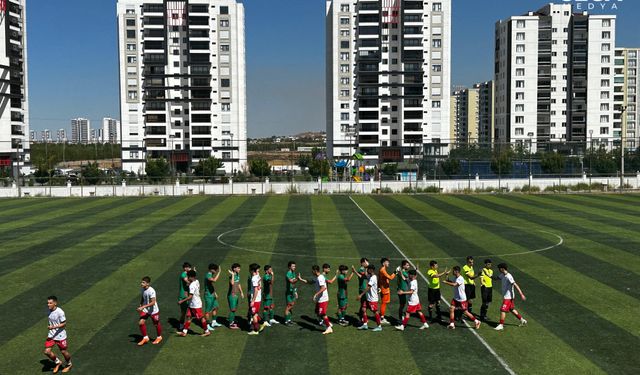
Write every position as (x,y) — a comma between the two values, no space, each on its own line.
(73,58)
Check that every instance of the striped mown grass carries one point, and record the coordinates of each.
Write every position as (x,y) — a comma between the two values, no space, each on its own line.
(582,295)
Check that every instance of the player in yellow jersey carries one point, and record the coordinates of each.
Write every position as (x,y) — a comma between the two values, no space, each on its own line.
(486,288)
(469,275)
(434,295)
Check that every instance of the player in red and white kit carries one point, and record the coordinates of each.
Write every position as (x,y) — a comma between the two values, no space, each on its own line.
(57,335)
(372,300)
(508,295)
(195,306)
(414,306)
(149,309)
(321,298)
(459,299)
(256,300)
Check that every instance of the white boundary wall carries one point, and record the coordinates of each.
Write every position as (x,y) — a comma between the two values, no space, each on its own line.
(257,188)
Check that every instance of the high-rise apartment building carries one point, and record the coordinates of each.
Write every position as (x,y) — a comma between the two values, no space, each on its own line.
(110,130)
(388,78)
(486,113)
(554,77)
(61,136)
(464,116)
(14,93)
(80,131)
(626,87)
(182,82)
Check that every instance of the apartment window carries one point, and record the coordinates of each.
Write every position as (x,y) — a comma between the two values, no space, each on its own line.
(436,7)
(344,56)
(520,72)
(132,95)
(344,80)
(131,22)
(345,32)
(605,59)
(344,92)
(435,104)
(521,24)
(225,82)
(520,48)
(344,68)
(567,13)
(131,34)
(606,35)
(131,59)
(520,60)
(604,106)
(604,119)
(131,47)
(224,10)
(437,43)
(606,47)
(604,130)
(604,83)
(605,71)
(519,96)
(344,7)
(520,36)
(519,107)
(224,23)
(519,84)
(519,131)
(519,119)
(344,44)
(224,48)
(344,117)
(436,67)
(344,20)
(344,105)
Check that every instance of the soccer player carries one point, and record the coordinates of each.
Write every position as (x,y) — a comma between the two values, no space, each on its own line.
(267,297)
(343,302)
(326,270)
(255,300)
(459,299)
(486,288)
(321,298)
(414,302)
(508,294)
(184,289)
(402,273)
(195,306)
(385,292)
(468,273)
(235,289)
(291,292)
(372,300)
(57,335)
(434,294)
(362,282)
(149,309)
(211,297)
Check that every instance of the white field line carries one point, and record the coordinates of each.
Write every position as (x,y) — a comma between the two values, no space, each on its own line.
(504,364)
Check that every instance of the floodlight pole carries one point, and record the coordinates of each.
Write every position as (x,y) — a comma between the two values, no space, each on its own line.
(623,109)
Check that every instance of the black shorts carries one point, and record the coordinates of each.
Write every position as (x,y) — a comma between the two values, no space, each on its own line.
(487,294)
(470,291)
(433,296)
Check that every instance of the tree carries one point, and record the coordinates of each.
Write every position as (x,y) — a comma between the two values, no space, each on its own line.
(304,161)
(450,167)
(390,169)
(552,162)
(319,167)
(91,174)
(157,169)
(260,167)
(208,167)
(501,162)
(42,175)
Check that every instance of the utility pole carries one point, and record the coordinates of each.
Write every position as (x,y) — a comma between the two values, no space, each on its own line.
(623,109)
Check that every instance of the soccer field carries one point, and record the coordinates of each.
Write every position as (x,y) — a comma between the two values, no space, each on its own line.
(576,257)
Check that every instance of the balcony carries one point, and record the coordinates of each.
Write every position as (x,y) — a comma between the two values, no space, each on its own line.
(17,130)
(156,142)
(17,116)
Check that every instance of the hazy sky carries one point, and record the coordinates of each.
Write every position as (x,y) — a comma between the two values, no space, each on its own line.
(73,59)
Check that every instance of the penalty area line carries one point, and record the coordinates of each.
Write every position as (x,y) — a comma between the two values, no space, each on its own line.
(504,363)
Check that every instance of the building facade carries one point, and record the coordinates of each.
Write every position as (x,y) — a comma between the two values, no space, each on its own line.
(182,82)
(554,77)
(14,93)
(486,113)
(388,78)
(626,86)
(80,131)
(464,116)
(110,130)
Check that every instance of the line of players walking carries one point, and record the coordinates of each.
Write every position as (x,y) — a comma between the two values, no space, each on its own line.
(374,295)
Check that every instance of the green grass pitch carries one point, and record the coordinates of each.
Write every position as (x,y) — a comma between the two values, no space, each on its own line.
(582,294)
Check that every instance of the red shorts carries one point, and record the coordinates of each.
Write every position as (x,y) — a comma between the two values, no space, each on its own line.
(386,298)
(255,307)
(464,305)
(194,313)
(321,308)
(507,305)
(154,317)
(373,306)
(412,309)
(50,343)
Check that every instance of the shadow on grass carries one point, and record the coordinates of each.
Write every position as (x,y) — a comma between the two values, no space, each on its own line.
(47,365)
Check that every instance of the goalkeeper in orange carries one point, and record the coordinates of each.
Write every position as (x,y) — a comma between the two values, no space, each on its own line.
(385,292)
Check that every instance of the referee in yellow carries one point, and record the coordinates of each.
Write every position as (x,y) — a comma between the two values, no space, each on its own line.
(486,282)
